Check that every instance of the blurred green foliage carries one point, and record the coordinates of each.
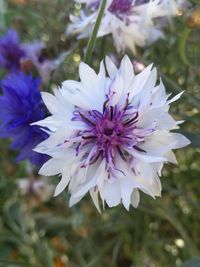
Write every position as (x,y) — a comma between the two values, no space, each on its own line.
(161,233)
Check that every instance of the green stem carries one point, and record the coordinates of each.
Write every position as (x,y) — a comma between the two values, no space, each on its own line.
(93,37)
(182,44)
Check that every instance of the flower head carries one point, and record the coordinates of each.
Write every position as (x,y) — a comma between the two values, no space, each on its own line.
(131,22)
(43,65)
(16,56)
(21,105)
(10,51)
(110,135)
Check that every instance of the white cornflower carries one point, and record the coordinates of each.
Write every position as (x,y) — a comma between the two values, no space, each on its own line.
(131,22)
(110,136)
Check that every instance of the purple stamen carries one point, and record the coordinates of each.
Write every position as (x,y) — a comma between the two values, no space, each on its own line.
(109,133)
(139,149)
(131,120)
(121,153)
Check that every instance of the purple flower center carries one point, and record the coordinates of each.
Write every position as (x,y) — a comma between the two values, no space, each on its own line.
(110,133)
(120,6)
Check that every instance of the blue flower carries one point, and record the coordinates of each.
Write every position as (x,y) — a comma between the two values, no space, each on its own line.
(10,51)
(21,105)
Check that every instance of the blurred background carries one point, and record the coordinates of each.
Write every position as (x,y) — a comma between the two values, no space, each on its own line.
(38,230)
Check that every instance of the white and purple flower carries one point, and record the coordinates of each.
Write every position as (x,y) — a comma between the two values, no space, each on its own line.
(131,22)
(13,55)
(110,135)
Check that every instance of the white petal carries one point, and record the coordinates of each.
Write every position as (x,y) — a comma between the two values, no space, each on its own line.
(89,184)
(73,200)
(62,184)
(180,140)
(140,80)
(175,98)
(53,104)
(166,121)
(84,188)
(53,122)
(127,71)
(51,167)
(90,93)
(146,157)
(126,186)
(79,98)
(171,157)
(110,66)
(146,93)
(159,97)
(157,167)
(163,141)
(111,193)
(135,198)
(157,187)
(87,75)
(144,170)
(117,88)
(94,195)
(56,122)
(54,141)
(149,117)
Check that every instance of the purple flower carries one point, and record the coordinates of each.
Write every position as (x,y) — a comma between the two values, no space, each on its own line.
(10,51)
(21,105)
(14,55)
(43,65)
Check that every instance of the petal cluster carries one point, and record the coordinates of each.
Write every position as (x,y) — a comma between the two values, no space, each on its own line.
(131,22)
(21,105)
(110,135)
